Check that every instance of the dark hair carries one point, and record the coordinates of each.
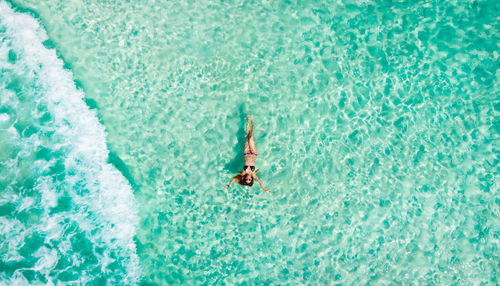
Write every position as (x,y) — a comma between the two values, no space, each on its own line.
(242,179)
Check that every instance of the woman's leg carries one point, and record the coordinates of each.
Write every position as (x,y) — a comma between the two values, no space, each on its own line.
(247,129)
(251,142)
(247,146)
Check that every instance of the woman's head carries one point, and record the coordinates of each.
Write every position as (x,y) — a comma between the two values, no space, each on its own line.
(244,179)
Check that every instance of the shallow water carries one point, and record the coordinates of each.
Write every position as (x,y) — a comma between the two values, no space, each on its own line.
(376,125)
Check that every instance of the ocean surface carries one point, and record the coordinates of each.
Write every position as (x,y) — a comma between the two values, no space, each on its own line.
(377,125)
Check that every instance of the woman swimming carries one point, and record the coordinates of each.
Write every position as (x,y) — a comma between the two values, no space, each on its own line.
(246,176)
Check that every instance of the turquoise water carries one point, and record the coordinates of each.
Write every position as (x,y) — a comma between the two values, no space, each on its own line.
(376,124)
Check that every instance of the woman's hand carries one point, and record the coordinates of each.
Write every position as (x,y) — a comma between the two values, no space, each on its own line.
(227,186)
(260,183)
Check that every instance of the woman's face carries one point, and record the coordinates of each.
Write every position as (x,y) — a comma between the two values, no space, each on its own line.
(248,179)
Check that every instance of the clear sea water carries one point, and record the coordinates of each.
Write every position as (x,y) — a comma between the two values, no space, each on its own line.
(377,124)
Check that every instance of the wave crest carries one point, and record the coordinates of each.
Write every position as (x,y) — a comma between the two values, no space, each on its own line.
(68,214)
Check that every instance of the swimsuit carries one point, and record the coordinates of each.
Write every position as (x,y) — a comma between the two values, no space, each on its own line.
(246,166)
(251,167)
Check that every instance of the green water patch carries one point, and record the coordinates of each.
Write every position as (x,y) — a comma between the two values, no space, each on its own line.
(12,57)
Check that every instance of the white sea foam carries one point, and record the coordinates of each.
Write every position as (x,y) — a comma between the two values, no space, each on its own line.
(110,195)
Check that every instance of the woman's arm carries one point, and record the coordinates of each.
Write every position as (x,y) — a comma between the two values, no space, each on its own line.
(234,180)
(261,185)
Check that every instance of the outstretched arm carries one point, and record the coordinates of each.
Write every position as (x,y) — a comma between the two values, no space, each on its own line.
(261,185)
(227,186)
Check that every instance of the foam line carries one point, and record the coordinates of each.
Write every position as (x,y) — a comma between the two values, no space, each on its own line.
(111,196)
